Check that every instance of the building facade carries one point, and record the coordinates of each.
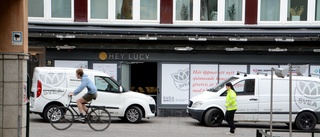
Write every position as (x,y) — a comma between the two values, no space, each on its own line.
(174,49)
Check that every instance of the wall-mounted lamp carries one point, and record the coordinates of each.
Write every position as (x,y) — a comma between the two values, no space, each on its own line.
(66,36)
(237,39)
(147,38)
(65,47)
(283,39)
(183,48)
(234,49)
(197,39)
(316,50)
(277,49)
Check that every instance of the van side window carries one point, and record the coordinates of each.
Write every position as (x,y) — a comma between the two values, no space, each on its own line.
(245,87)
(106,84)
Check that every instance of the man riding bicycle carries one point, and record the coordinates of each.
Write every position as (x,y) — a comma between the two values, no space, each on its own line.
(91,94)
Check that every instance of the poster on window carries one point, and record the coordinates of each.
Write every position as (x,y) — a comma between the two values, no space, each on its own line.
(71,64)
(202,77)
(315,70)
(261,69)
(227,71)
(175,83)
(108,68)
(304,73)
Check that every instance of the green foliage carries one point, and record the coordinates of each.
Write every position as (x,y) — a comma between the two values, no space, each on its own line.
(232,11)
(184,12)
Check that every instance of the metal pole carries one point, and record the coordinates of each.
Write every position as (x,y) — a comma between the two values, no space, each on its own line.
(271,101)
(290,100)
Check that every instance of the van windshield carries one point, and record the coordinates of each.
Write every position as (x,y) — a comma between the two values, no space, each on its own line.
(221,85)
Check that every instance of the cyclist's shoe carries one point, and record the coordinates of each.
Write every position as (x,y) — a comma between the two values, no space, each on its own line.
(81,118)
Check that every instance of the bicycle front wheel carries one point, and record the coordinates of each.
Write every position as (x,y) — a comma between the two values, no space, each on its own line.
(99,119)
(61,118)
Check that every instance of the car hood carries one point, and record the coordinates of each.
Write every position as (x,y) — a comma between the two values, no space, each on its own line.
(204,96)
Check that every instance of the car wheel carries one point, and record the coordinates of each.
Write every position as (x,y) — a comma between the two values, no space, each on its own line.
(213,117)
(133,114)
(47,112)
(306,121)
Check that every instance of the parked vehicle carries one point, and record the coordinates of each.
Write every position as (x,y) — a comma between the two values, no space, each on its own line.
(51,85)
(253,100)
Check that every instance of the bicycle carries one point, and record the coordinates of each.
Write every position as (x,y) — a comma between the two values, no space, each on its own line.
(98,118)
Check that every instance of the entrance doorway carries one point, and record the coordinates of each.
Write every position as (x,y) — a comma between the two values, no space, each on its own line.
(144,78)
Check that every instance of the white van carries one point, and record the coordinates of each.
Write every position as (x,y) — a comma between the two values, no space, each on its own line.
(253,100)
(51,85)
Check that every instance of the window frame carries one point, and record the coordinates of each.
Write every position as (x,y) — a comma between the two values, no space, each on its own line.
(60,19)
(195,17)
(47,14)
(149,21)
(99,20)
(311,6)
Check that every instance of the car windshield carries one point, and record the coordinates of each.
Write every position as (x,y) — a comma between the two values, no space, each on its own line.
(221,85)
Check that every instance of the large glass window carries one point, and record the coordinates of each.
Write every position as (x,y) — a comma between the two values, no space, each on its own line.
(233,10)
(297,10)
(61,8)
(208,10)
(123,9)
(99,9)
(317,15)
(184,9)
(148,9)
(35,8)
(270,10)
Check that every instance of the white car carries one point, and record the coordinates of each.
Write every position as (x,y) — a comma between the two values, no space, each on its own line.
(51,85)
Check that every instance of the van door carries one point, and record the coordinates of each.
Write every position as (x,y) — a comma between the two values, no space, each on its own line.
(247,100)
(109,95)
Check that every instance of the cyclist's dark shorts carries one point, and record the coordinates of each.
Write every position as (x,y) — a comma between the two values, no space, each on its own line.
(89,97)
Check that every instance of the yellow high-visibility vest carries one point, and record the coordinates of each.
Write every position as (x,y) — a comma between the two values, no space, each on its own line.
(231,100)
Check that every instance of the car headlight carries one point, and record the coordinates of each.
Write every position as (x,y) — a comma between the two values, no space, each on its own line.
(197,104)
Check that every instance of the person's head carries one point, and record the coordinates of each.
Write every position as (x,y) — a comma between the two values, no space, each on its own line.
(229,86)
(79,73)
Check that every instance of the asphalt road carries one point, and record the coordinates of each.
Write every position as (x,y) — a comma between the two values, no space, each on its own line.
(155,127)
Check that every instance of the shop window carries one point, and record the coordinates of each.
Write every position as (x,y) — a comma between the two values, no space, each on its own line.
(297,10)
(184,10)
(208,10)
(148,9)
(270,10)
(35,8)
(124,9)
(98,9)
(233,10)
(317,14)
(61,8)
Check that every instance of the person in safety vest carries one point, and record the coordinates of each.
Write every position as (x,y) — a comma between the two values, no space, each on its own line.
(231,107)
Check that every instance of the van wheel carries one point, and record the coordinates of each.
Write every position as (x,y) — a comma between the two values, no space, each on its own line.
(47,112)
(213,117)
(133,114)
(306,121)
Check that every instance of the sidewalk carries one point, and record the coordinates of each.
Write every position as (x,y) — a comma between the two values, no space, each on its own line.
(155,127)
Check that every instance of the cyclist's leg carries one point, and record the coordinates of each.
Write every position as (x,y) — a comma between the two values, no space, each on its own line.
(88,98)
(81,105)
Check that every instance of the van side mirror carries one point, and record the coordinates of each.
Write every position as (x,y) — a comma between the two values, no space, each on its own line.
(120,89)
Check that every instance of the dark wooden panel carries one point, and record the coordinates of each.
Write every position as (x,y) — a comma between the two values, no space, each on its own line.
(80,11)
(251,12)
(166,12)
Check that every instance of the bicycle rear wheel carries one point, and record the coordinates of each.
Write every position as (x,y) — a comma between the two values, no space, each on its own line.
(61,118)
(99,119)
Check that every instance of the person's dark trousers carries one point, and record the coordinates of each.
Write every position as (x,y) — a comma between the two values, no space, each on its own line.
(229,118)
